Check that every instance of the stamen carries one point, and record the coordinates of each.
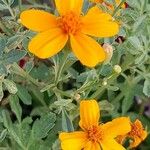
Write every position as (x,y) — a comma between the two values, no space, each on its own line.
(95,133)
(70,23)
(136,131)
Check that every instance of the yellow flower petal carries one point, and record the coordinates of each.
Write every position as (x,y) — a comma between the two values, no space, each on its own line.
(48,43)
(119,126)
(72,141)
(110,144)
(89,114)
(38,20)
(92,146)
(135,142)
(69,5)
(88,51)
(99,24)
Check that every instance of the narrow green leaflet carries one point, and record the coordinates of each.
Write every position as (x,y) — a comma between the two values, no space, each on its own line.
(24,95)
(11,86)
(42,126)
(1,90)
(15,106)
(146,89)
(66,122)
(2,45)
(14,56)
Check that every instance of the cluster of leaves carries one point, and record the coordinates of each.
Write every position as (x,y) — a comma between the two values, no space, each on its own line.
(41,97)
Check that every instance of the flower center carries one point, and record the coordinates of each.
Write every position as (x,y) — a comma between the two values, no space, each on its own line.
(135,131)
(95,133)
(70,23)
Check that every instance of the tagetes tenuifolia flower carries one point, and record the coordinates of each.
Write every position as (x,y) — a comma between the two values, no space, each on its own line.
(55,31)
(94,136)
(136,135)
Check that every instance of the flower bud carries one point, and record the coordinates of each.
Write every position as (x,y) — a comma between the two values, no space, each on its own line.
(104,83)
(19,20)
(77,96)
(117,69)
(109,52)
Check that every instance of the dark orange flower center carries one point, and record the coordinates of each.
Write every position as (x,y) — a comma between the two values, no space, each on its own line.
(136,131)
(70,23)
(95,133)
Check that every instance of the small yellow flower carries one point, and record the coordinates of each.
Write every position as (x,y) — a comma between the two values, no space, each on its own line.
(137,134)
(55,31)
(94,136)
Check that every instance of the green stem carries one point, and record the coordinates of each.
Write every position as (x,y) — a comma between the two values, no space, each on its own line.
(20,5)
(56,90)
(60,69)
(117,8)
(98,92)
(19,71)
(11,12)
(118,98)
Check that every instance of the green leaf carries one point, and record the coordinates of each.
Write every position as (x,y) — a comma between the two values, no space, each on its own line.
(106,70)
(106,106)
(11,86)
(1,90)
(2,45)
(6,119)
(66,122)
(42,126)
(3,135)
(14,41)
(3,69)
(146,89)
(24,95)
(14,56)
(15,106)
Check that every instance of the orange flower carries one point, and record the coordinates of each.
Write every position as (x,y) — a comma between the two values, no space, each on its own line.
(55,31)
(137,133)
(94,136)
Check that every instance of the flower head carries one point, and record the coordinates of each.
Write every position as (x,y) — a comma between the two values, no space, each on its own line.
(94,136)
(137,134)
(55,31)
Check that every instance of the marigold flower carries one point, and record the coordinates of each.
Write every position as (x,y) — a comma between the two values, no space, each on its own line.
(55,31)
(94,136)
(137,134)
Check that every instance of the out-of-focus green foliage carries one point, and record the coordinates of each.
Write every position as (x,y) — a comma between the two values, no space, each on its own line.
(40,98)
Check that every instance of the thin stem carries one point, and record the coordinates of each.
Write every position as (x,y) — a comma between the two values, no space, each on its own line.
(60,69)
(56,90)
(98,92)
(11,12)
(19,71)
(20,5)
